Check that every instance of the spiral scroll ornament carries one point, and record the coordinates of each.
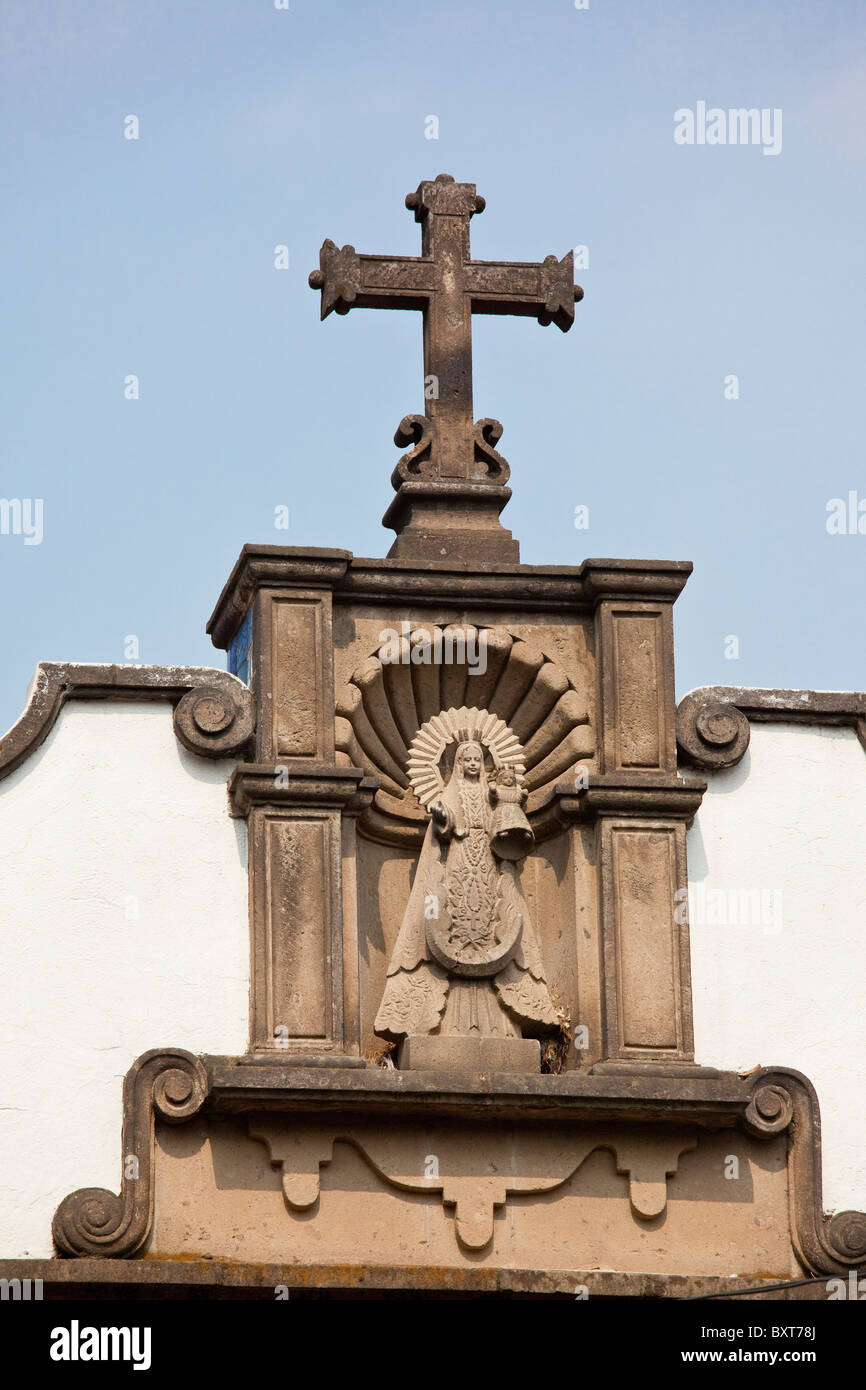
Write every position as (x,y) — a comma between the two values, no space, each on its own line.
(847,1235)
(89,1222)
(785,1102)
(769,1111)
(216,721)
(711,733)
(93,1221)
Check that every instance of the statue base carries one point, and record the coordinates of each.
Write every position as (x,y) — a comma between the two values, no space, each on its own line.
(462,1052)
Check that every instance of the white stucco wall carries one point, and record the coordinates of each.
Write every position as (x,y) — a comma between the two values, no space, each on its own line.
(123,927)
(783,982)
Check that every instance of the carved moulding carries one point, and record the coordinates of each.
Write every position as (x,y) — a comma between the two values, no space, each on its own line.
(173,1086)
(410,680)
(564,589)
(473,1198)
(713,722)
(214,712)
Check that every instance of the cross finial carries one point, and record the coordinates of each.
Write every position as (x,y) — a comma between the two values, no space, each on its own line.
(451,483)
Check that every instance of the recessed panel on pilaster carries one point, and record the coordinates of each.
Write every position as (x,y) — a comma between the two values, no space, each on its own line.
(296,684)
(297,930)
(638,695)
(647,991)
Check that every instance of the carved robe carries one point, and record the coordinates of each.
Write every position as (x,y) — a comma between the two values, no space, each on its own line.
(466,960)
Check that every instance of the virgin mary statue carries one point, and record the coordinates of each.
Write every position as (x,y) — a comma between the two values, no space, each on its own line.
(466,960)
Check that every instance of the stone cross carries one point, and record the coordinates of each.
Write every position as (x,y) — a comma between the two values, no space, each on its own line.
(448,287)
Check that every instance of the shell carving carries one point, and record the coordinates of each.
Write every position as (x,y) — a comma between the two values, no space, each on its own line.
(434,673)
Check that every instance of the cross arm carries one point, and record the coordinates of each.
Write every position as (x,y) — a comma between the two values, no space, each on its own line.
(545,291)
(349,281)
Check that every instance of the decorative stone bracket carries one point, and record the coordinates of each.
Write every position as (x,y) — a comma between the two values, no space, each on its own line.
(173,1086)
(168,1083)
(647,1163)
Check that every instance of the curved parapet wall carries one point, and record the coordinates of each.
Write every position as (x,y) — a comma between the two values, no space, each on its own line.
(776,897)
(214,711)
(713,721)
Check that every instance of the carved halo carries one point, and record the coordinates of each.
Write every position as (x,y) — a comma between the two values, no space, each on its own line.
(456,726)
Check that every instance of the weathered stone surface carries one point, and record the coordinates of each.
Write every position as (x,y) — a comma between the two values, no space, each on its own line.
(629,1170)
(214,713)
(713,723)
(472,1054)
(192,1279)
(424,668)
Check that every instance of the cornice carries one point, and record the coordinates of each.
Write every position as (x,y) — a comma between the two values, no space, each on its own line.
(556,588)
(713,721)
(296,783)
(214,712)
(630,794)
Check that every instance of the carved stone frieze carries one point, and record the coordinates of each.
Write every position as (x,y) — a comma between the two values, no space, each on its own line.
(510,1167)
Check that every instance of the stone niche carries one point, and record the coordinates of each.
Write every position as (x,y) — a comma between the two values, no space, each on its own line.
(538,680)
(565,675)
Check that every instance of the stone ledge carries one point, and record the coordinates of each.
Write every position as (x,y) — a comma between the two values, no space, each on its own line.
(703,1096)
(171,1086)
(89,1277)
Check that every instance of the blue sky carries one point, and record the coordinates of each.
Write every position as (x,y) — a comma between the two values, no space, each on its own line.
(261,127)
